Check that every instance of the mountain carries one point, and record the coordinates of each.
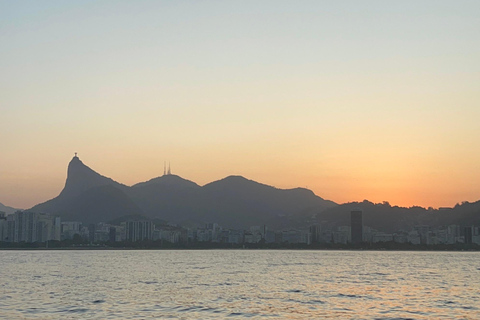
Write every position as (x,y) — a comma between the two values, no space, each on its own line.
(239,200)
(100,204)
(81,178)
(466,214)
(7,209)
(384,217)
(232,202)
(168,197)
(89,197)
(170,181)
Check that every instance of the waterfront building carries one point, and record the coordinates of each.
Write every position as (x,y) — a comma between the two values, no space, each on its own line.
(235,236)
(316,233)
(424,232)
(70,228)
(413,237)
(453,233)
(400,237)
(3,226)
(346,232)
(252,238)
(468,234)
(382,237)
(112,234)
(169,235)
(270,236)
(295,236)
(356,223)
(138,230)
(31,227)
(341,235)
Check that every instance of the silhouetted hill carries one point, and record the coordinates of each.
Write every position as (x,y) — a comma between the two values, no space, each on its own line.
(466,214)
(389,219)
(7,209)
(231,202)
(168,197)
(80,179)
(170,181)
(100,204)
(89,197)
(236,201)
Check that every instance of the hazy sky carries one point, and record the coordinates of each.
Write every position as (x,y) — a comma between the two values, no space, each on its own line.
(355,100)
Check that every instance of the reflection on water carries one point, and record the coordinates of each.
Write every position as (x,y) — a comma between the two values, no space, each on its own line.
(239,283)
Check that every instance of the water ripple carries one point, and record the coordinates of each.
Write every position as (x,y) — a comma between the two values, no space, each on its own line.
(218,284)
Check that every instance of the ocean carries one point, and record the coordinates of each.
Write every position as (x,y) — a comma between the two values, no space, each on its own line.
(256,284)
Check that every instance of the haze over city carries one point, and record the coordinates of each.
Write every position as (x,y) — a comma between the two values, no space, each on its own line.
(354,100)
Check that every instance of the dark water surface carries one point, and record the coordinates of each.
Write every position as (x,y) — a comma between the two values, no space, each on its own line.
(206,284)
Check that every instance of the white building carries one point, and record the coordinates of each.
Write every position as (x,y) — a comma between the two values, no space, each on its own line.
(31,227)
(138,230)
(382,237)
(70,228)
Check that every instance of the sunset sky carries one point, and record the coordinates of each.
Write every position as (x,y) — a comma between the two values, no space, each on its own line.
(355,100)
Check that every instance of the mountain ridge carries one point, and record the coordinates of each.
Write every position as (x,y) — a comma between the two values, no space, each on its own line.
(233,201)
(7,209)
(384,217)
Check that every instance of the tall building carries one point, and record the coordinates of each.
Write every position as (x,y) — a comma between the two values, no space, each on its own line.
(468,231)
(356,224)
(91,232)
(32,227)
(3,226)
(70,228)
(316,233)
(112,235)
(138,230)
(424,232)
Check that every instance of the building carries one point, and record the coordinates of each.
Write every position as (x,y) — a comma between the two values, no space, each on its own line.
(356,224)
(424,232)
(316,233)
(112,234)
(295,236)
(31,227)
(70,228)
(139,230)
(468,234)
(382,237)
(3,226)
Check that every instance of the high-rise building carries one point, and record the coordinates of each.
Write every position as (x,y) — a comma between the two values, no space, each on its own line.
(356,224)
(315,233)
(138,230)
(424,232)
(3,226)
(112,235)
(468,231)
(31,227)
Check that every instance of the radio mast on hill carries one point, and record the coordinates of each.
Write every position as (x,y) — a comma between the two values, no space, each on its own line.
(165,171)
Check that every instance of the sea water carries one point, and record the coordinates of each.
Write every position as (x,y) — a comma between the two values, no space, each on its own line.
(257,284)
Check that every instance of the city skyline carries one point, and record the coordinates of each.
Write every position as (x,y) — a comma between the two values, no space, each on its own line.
(353,101)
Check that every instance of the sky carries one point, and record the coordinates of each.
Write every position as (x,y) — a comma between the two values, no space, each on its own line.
(355,100)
